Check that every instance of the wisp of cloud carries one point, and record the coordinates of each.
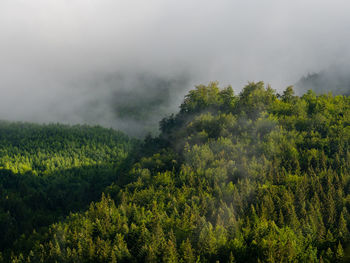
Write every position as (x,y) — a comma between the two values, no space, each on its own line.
(127,64)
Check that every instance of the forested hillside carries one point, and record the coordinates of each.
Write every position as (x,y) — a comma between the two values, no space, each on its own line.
(47,171)
(253,177)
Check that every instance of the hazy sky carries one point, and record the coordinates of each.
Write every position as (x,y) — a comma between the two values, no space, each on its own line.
(57,56)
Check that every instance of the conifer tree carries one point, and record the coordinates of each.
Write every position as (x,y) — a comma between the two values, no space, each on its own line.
(187,251)
(339,253)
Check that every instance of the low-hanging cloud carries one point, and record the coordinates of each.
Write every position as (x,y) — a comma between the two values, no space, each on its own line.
(96,61)
(334,79)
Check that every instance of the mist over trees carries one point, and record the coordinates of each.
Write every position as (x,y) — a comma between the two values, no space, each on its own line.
(253,177)
(335,79)
(132,102)
(139,101)
(64,61)
(111,154)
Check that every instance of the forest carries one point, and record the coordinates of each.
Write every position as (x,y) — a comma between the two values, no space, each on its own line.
(253,177)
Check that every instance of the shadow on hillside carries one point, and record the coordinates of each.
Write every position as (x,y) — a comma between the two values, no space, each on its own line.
(29,202)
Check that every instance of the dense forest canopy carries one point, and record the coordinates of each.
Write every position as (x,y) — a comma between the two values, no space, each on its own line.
(253,177)
(47,171)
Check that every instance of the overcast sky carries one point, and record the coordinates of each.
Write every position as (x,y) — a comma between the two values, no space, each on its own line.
(57,56)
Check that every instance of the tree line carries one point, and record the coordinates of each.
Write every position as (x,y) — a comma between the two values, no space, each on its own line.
(253,177)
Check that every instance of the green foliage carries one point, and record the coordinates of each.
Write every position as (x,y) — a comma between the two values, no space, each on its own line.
(48,171)
(258,177)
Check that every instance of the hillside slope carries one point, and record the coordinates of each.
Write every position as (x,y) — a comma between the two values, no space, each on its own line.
(254,177)
(47,171)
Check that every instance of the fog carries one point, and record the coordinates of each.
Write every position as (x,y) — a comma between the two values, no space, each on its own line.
(334,79)
(96,61)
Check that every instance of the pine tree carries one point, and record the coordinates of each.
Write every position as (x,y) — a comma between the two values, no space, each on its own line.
(187,251)
(231,258)
(113,257)
(339,253)
(280,219)
(151,256)
(170,253)
(207,241)
(343,231)
(329,254)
